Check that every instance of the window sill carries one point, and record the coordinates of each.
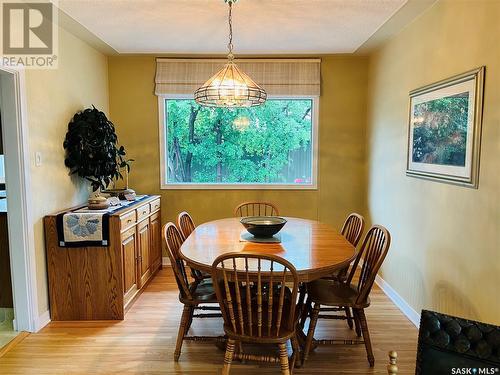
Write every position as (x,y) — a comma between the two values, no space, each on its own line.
(238,187)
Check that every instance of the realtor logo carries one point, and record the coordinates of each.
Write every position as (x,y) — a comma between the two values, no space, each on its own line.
(28,34)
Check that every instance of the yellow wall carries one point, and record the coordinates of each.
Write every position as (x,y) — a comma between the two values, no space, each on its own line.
(342,123)
(53,96)
(446,239)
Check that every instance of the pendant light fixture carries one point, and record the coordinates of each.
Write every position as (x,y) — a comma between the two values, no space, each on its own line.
(230,87)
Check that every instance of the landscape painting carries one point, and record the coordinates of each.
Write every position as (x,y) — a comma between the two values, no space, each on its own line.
(444,129)
(440,130)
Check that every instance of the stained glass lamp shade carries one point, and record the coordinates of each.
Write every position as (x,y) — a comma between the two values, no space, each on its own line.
(230,87)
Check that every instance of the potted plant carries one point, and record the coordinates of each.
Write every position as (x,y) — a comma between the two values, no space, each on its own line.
(92,152)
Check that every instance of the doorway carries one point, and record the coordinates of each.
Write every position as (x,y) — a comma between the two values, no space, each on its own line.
(18,238)
(7,332)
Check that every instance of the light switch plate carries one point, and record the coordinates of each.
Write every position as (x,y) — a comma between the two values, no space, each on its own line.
(38,158)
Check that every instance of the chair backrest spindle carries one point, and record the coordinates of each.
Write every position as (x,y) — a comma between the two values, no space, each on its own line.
(186,224)
(373,252)
(253,294)
(256,209)
(353,228)
(173,240)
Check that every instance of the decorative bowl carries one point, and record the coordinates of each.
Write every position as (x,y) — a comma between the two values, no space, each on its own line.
(263,226)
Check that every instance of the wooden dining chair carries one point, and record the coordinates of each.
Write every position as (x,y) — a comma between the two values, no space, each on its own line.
(257,305)
(340,294)
(256,209)
(352,230)
(185,224)
(194,296)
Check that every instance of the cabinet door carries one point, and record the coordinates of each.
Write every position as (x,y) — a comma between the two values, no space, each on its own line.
(129,256)
(155,223)
(143,265)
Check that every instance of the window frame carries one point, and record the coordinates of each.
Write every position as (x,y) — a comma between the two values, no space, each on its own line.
(163,133)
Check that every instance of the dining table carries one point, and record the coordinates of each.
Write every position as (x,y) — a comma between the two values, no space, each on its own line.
(315,249)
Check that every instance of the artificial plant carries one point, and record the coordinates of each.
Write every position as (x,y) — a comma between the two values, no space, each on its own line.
(92,150)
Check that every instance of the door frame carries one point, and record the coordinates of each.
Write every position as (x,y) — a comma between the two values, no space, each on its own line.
(18,185)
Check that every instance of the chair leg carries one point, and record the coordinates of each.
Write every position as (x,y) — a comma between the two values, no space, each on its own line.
(310,332)
(228,357)
(285,369)
(348,316)
(182,331)
(366,337)
(190,320)
(296,353)
(305,312)
(240,350)
(301,302)
(357,323)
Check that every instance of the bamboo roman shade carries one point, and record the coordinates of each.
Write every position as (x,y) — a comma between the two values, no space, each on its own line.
(276,76)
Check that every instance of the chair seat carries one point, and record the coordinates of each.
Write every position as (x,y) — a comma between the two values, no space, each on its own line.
(203,292)
(338,275)
(199,275)
(333,293)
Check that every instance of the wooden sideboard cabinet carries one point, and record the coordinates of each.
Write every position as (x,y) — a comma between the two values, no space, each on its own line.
(100,283)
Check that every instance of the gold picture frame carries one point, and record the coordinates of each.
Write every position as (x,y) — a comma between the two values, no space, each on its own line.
(444,129)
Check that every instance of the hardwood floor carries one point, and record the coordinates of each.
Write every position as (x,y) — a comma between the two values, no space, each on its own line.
(144,343)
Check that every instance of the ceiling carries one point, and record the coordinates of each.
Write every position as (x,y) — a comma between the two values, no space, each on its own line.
(260,26)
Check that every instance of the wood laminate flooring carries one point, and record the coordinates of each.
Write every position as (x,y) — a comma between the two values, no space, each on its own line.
(144,343)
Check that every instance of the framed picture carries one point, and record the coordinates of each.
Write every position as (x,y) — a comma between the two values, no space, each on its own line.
(444,134)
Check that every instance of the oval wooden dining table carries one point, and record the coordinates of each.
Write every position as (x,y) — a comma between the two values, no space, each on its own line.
(314,248)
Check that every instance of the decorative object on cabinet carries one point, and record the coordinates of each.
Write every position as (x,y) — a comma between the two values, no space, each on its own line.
(124,193)
(100,283)
(92,151)
(86,226)
(444,134)
(98,203)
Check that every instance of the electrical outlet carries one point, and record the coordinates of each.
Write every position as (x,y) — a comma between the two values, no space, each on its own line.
(38,159)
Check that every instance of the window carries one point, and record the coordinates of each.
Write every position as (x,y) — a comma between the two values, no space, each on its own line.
(270,146)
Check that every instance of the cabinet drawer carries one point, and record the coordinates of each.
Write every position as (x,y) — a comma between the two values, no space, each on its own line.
(142,212)
(127,220)
(155,205)
(130,233)
(154,216)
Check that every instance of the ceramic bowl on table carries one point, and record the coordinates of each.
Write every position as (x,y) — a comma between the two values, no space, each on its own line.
(263,226)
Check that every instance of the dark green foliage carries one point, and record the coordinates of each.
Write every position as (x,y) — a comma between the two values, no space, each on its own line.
(247,145)
(440,131)
(91,149)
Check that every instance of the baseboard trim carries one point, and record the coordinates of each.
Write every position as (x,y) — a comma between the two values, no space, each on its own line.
(400,303)
(165,261)
(42,320)
(16,340)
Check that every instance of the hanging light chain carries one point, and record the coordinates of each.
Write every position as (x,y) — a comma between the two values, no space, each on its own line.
(230,21)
